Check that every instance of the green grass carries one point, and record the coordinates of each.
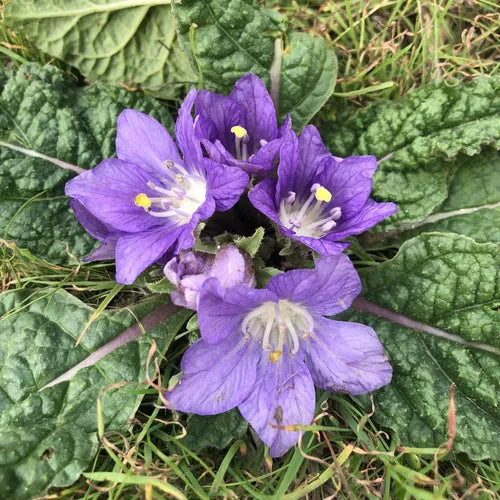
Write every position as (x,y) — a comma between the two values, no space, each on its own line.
(385,48)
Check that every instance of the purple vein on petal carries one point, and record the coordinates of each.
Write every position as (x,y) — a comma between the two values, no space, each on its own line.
(36,154)
(156,317)
(365,306)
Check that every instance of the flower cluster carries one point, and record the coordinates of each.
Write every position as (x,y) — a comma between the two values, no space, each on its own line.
(261,349)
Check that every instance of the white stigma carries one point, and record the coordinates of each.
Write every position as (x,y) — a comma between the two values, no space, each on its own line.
(179,196)
(308,217)
(278,326)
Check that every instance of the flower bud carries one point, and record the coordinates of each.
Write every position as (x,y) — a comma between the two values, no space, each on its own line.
(189,270)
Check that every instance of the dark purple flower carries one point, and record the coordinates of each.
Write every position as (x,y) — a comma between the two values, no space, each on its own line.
(264,350)
(319,199)
(149,199)
(190,270)
(100,231)
(240,129)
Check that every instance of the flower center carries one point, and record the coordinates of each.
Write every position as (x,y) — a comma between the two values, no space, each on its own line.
(180,194)
(241,139)
(306,218)
(278,325)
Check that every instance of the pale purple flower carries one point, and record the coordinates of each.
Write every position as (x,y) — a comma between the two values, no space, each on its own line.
(190,270)
(240,129)
(319,199)
(149,199)
(263,350)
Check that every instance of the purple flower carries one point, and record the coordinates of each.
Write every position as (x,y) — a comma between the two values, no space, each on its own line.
(149,200)
(264,350)
(319,199)
(190,270)
(240,129)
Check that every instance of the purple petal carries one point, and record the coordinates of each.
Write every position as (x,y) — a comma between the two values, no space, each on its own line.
(327,290)
(323,246)
(220,312)
(285,126)
(262,162)
(216,378)
(224,113)
(100,231)
(188,292)
(312,154)
(204,128)
(349,181)
(370,215)
(232,267)
(108,192)
(262,198)
(251,94)
(184,133)
(283,396)
(346,357)
(91,224)
(105,251)
(225,184)
(217,152)
(136,251)
(143,141)
(289,179)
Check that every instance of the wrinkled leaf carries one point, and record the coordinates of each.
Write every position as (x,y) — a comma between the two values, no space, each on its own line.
(415,138)
(228,39)
(125,42)
(451,283)
(472,206)
(216,431)
(41,109)
(48,437)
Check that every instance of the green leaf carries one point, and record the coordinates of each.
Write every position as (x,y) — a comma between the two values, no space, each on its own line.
(306,82)
(228,39)
(449,283)
(215,431)
(414,137)
(125,42)
(472,206)
(43,111)
(250,244)
(49,436)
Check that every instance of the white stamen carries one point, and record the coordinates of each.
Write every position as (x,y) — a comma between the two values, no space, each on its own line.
(278,325)
(308,219)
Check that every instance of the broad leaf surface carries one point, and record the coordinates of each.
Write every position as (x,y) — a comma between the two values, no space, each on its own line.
(216,431)
(235,37)
(451,283)
(415,138)
(472,206)
(129,42)
(41,109)
(48,437)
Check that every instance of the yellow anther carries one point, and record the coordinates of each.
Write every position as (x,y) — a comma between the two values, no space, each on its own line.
(239,132)
(322,194)
(274,356)
(142,200)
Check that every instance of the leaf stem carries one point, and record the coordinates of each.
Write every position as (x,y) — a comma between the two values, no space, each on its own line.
(36,154)
(156,317)
(364,305)
(275,72)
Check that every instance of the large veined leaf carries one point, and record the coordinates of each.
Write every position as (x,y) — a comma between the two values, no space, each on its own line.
(472,206)
(450,285)
(228,39)
(43,111)
(48,436)
(129,42)
(415,138)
